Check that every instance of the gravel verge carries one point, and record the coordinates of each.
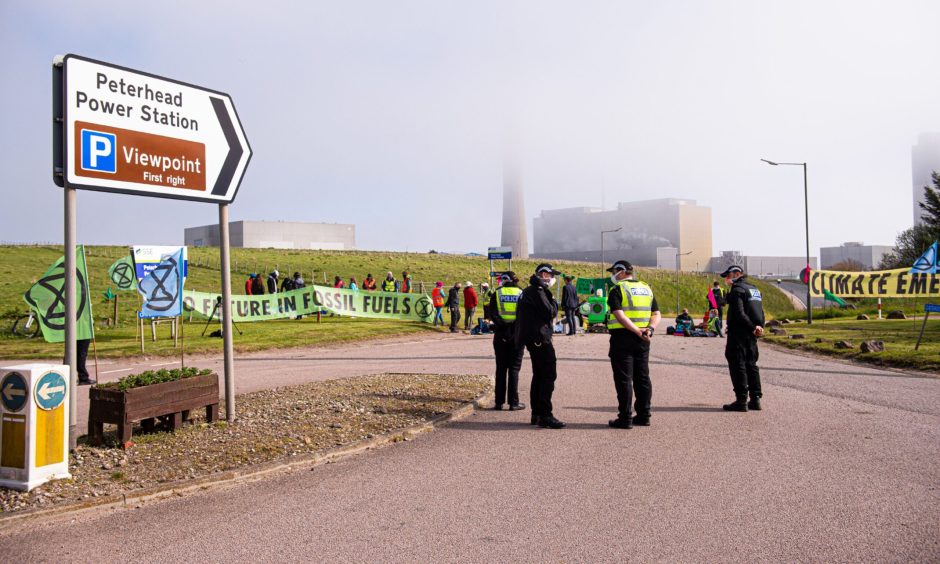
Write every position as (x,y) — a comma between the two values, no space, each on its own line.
(276,425)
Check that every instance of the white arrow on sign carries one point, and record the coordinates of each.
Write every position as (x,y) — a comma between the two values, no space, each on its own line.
(10,392)
(46,391)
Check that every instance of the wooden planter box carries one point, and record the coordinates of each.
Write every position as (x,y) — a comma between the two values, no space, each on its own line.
(170,401)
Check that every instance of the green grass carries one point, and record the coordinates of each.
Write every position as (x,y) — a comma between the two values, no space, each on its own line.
(21,266)
(899,337)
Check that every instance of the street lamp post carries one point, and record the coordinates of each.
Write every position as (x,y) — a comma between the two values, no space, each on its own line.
(603,264)
(809,297)
(678,254)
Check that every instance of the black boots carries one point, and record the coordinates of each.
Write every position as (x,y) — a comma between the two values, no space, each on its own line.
(550,422)
(754,404)
(620,423)
(739,405)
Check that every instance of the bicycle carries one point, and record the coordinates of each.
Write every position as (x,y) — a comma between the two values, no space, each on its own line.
(26,325)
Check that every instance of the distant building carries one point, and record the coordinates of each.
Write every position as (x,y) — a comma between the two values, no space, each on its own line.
(869,256)
(277,235)
(652,232)
(783,267)
(925,159)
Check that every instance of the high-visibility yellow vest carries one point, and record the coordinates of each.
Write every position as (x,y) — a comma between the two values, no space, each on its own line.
(388,285)
(637,304)
(506,300)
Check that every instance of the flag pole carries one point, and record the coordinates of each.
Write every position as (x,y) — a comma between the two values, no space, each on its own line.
(94,347)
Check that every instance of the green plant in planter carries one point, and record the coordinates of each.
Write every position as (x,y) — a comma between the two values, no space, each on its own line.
(154,377)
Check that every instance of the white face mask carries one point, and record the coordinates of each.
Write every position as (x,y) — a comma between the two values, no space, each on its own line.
(614,279)
(551,282)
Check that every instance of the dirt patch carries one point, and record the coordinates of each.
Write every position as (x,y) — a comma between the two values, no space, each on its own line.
(277,424)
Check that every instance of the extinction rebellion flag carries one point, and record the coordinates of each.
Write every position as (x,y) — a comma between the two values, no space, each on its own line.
(47,299)
(122,274)
(162,288)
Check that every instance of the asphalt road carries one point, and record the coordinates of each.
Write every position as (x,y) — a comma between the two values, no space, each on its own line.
(841,465)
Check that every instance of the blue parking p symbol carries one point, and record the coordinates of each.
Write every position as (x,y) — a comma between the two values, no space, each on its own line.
(99,151)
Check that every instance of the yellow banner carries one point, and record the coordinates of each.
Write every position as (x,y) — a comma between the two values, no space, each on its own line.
(881,284)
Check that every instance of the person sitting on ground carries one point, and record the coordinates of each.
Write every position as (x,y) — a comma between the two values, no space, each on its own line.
(684,323)
(352,284)
(368,283)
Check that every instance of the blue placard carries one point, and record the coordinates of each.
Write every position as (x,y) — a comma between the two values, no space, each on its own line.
(13,391)
(499,256)
(931,308)
(50,390)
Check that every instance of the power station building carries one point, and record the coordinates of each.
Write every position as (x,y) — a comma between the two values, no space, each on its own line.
(868,256)
(276,235)
(651,233)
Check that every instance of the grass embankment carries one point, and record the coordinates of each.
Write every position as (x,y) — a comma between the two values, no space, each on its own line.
(21,266)
(899,337)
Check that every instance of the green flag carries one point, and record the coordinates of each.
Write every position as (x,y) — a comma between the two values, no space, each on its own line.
(833,298)
(122,274)
(47,296)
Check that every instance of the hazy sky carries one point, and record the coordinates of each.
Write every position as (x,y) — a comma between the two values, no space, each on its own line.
(395,116)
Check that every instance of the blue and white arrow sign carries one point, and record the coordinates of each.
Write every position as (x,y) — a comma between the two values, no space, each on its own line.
(50,390)
(13,391)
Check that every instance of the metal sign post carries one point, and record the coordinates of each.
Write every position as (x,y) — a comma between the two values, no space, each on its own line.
(121,130)
(225,314)
(928,309)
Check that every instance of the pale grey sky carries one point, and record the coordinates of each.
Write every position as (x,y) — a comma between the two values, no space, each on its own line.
(395,116)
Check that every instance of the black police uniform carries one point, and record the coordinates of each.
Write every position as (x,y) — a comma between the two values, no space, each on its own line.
(629,358)
(745,312)
(535,316)
(508,354)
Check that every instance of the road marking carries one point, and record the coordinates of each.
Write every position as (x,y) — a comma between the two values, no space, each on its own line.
(113,371)
(164,364)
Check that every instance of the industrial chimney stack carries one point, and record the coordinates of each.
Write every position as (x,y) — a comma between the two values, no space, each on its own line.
(514,227)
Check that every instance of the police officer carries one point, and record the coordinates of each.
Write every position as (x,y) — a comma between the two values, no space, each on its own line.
(745,325)
(500,308)
(632,317)
(535,320)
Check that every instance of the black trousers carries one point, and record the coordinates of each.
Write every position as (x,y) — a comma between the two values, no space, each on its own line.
(571,317)
(630,361)
(543,377)
(454,317)
(741,353)
(81,354)
(508,364)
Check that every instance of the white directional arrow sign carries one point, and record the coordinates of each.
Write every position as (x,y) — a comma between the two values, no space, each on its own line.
(46,391)
(133,132)
(10,391)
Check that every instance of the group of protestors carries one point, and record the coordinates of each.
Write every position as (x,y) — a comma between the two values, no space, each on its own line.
(450,299)
(256,285)
(712,322)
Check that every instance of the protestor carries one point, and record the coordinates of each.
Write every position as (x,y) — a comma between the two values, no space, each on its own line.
(272,282)
(684,323)
(298,284)
(632,317)
(500,309)
(338,282)
(745,326)
(369,283)
(81,357)
(352,284)
(535,317)
(405,285)
(249,284)
(470,301)
(453,306)
(257,286)
(288,284)
(569,301)
(486,294)
(438,300)
(389,284)
(716,301)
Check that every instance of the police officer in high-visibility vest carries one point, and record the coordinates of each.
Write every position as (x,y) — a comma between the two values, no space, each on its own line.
(745,326)
(500,309)
(632,317)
